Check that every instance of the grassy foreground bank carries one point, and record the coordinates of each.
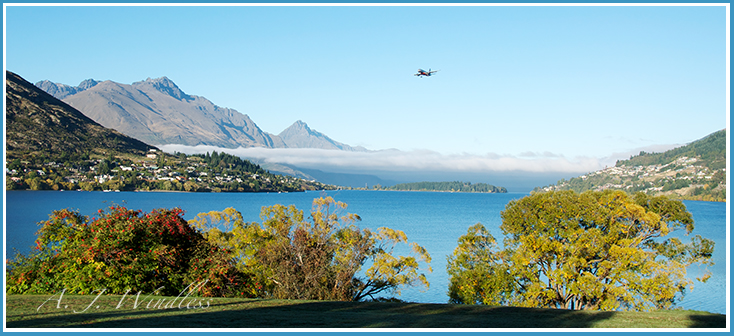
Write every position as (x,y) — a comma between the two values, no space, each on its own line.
(112,311)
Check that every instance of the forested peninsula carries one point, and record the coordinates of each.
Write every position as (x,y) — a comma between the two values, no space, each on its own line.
(454,186)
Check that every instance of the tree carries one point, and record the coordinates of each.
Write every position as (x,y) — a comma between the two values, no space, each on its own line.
(320,258)
(104,167)
(191,186)
(36,183)
(595,250)
(123,250)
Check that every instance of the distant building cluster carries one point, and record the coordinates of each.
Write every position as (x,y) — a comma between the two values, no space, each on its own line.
(680,176)
(152,172)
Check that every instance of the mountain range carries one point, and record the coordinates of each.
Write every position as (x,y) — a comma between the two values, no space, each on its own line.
(38,123)
(52,146)
(157,111)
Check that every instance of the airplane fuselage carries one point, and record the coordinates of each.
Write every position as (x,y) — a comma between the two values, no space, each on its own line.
(422,72)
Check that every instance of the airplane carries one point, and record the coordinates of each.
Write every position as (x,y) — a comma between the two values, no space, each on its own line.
(422,72)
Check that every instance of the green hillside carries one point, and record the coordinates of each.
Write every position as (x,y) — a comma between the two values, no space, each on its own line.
(710,151)
(696,171)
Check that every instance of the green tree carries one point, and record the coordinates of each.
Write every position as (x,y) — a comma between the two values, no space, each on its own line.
(103,167)
(191,186)
(595,250)
(320,258)
(15,164)
(36,183)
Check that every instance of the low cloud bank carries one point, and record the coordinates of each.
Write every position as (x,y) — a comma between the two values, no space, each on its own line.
(417,160)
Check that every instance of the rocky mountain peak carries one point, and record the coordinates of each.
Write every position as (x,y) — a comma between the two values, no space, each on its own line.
(299,135)
(298,129)
(61,91)
(140,111)
(300,126)
(87,84)
(167,86)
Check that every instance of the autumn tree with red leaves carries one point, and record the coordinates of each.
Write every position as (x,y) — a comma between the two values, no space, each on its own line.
(124,251)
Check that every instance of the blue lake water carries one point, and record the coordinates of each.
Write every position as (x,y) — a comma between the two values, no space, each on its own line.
(433,220)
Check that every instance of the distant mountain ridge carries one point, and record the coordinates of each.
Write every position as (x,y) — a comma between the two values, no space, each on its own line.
(61,91)
(52,146)
(157,111)
(299,135)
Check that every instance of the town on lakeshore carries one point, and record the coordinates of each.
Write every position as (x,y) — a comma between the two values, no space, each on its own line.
(696,171)
(156,171)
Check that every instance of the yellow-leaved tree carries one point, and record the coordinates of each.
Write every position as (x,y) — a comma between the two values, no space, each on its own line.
(320,258)
(596,250)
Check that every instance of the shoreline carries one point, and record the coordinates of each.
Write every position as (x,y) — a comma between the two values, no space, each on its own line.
(304,191)
(448,191)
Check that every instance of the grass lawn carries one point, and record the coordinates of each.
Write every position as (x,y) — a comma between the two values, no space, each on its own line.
(23,312)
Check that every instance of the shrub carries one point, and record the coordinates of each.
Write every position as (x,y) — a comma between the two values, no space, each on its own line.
(121,251)
(317,259)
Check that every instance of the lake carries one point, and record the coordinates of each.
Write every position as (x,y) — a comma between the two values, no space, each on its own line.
(434,220)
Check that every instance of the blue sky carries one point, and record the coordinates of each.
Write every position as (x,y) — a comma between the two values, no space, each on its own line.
(521,82)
